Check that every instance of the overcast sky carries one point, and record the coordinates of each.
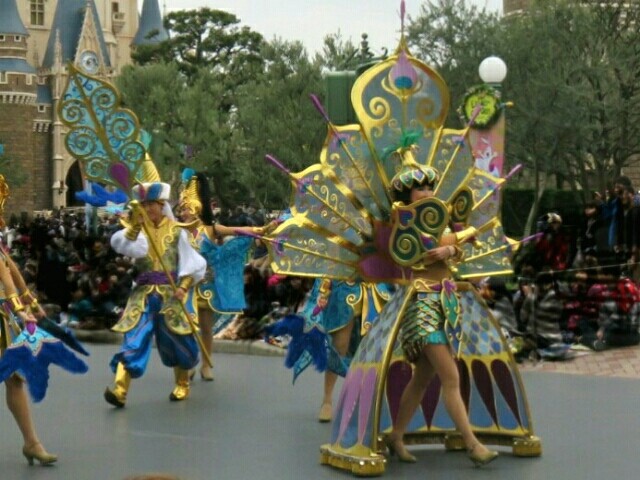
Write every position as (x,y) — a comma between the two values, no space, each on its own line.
(310,20)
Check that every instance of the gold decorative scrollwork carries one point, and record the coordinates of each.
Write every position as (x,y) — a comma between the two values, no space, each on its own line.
(424,111)
(379,109)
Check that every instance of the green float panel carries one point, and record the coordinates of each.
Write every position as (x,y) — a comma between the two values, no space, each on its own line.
(339,97)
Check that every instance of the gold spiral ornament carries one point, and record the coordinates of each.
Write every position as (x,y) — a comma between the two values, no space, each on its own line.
(461,206)
(379,109)
(424,111)
(408,247)
(431,218)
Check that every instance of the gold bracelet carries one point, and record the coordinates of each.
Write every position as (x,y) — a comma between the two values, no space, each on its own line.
(458,253)
(28,298)
(185,282)
(131,233)
(14,303)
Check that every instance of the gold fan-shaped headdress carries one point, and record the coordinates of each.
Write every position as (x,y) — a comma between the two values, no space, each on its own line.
(190,197)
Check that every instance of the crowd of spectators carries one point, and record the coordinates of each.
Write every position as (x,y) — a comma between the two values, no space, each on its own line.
(584,290)
(568,291)
(82,282)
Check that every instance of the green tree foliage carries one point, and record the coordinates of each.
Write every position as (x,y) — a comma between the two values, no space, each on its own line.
(337,53)
(207,38)
(197,121)
(276,117)
(155,92)
(573,75)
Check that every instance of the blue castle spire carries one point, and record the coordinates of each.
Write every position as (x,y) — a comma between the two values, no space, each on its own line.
(13,60)
(10,21)
(68,20)
(150,22)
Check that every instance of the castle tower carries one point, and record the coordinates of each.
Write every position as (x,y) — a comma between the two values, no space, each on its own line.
(91,33)
(151,29)
(18,107)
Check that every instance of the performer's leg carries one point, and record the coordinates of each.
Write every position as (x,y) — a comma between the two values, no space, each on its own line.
(341,339)
(445,367)
(205,316)
(179,352)
(131,361)
(412,395)
(18,404)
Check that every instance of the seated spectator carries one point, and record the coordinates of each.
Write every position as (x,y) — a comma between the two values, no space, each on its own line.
(541,314)
(580,305)
(498,298)
(618,318)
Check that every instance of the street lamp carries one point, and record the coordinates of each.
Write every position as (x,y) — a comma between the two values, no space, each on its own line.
(492,70)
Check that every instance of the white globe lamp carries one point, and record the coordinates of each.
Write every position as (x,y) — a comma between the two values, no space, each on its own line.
(492,70)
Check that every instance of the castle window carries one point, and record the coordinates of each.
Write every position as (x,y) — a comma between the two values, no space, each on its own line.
(1,38)
(37,12)
(17,38)
(42,108)
(115,7)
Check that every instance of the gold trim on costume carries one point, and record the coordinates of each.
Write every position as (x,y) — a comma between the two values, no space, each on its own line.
(14,303)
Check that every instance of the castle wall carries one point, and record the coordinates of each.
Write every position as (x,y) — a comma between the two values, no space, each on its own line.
(16,134)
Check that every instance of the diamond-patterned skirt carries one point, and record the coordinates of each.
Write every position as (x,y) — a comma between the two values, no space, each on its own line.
(422,324)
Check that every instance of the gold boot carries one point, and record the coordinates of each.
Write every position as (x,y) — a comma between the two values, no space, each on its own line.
(118,396)
(181,391)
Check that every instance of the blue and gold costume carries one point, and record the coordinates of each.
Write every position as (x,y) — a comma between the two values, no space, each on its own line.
(221,292)
(222,289)
(152,308)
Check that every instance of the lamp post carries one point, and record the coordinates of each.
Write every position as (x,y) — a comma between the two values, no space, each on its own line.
(493,71)
(487,136)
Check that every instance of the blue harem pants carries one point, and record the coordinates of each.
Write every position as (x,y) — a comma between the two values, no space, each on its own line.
(175,350)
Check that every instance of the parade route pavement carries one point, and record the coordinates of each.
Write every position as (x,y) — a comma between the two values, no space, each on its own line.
(251,423)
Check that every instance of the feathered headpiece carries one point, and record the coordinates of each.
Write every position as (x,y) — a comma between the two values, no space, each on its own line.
(195,196)
(189,197)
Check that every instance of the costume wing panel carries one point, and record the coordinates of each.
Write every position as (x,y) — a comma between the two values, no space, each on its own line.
(31,355)
(227,285)
(299,248)
(490,253)
(321,202)
(454,159)
(350,163)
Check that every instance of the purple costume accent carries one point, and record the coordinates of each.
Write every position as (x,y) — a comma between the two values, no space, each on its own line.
(154,278)
(120,173)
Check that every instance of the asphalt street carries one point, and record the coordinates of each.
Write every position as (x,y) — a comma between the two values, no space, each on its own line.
(251,423)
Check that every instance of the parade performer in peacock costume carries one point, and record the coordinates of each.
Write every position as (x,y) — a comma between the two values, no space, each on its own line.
(222,290)
(27,349)
(398,198)
(106,140)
